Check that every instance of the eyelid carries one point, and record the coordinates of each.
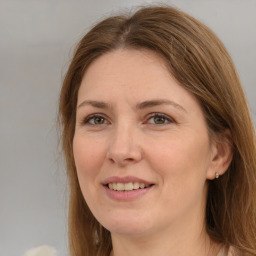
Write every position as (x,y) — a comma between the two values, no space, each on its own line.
(86,120)
(159,114)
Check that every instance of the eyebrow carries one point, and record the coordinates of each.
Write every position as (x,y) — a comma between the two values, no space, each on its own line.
(142,105)
(94,103)
(158,102)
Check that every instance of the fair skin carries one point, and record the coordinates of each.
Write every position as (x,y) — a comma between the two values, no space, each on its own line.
(135,124)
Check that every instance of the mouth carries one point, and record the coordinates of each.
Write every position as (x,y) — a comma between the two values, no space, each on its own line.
(129,186)
(126,188)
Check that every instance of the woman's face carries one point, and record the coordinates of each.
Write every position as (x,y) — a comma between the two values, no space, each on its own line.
(141,146)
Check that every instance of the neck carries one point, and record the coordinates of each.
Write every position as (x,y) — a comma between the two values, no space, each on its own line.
(183,238)
(179,244)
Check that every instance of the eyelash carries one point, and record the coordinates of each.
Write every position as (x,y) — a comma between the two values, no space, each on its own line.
(87,120)
(166,118)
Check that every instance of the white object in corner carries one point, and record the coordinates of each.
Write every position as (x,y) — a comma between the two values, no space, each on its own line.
(44,250)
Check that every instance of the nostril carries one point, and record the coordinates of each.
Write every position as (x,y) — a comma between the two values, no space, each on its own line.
(129,159)
(124,153)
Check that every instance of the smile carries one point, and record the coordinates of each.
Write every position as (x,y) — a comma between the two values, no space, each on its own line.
(129,186)
(126,188)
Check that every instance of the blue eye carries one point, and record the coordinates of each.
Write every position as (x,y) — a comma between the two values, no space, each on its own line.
(95,120)
(160,119)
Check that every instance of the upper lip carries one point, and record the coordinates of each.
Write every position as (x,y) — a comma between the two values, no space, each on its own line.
(126,179)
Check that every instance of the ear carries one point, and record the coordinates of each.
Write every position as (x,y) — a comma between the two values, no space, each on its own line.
(222,154)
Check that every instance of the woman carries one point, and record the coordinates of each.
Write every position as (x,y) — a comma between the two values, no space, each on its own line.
(158,139)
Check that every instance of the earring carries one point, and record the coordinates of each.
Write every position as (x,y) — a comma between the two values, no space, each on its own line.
(217,175)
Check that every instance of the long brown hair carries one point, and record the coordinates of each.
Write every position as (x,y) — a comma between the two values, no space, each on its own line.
(200,62)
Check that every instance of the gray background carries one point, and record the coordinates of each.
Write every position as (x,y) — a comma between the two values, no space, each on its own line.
(36,42)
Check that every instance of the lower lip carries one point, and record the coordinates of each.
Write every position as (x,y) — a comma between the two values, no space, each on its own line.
(127,195)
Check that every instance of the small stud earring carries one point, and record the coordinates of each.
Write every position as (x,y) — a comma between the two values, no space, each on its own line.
(217,175)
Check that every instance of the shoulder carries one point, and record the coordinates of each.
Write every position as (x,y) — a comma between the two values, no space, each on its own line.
(228,251)
(233,252)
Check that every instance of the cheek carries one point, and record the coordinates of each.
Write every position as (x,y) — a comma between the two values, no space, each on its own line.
(87,154)
(181,168)
(182,161)
(88,158)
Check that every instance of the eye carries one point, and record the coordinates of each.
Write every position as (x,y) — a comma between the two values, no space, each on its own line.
(160,119)
(95,120)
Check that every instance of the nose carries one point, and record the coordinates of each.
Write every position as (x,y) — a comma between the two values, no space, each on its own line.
(124,146)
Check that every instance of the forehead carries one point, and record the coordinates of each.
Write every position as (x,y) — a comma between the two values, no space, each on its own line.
(142,69)
(134,75)
(126,63)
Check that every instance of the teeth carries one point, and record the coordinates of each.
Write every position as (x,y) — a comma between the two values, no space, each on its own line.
(136,185)
(142,185)
(120,186)
(127,186)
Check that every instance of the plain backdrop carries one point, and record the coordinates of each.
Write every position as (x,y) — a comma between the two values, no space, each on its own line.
(37,38)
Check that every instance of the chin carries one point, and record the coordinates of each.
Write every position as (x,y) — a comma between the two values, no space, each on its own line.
(128,225)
